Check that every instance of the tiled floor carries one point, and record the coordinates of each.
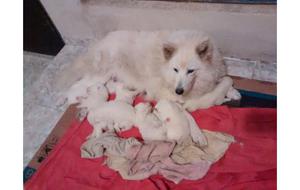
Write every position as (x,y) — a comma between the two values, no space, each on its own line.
(41,110)
(34,65)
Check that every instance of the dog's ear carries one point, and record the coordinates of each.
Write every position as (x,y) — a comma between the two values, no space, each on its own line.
(204,50)
(168,50)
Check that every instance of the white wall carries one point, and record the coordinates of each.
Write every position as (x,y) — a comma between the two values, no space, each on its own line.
(240,31)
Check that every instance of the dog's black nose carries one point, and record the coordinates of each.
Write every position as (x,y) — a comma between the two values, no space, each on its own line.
(179,91)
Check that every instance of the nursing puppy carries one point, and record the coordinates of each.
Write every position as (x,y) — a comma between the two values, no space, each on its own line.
(168,121)
(178,65)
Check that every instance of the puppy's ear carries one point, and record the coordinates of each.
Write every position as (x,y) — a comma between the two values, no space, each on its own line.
(204,50)
(168,50)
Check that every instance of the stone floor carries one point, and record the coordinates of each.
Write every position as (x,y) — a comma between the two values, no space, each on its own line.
(33,66)
(42,109)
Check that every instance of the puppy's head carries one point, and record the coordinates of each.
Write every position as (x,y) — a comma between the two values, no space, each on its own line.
(185,54)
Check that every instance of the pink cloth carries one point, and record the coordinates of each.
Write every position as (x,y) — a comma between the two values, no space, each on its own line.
(135,160)
(154,157)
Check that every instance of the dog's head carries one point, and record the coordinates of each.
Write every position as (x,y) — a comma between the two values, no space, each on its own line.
(186,53)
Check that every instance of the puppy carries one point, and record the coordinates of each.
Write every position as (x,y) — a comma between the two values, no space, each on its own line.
(79,89)
(173,120)
(111,116)
(125,94)
(168,121)
(149,125)
(96,95)
(117,115)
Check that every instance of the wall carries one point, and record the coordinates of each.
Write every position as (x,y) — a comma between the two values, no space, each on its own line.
(241,31)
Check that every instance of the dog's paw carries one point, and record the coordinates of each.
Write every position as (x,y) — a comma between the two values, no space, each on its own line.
(190,106)
(233,94)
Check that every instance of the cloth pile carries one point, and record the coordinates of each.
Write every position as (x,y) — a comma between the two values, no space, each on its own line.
(135,160)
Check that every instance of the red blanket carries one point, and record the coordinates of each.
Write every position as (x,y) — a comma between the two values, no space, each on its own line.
(249,163)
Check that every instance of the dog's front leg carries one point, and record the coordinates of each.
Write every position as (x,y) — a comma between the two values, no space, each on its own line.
(202,102)
(215,97)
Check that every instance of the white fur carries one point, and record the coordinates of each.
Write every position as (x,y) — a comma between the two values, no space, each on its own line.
(138,60)
(79,88)
(173,120)
(96,96)
(112,115)
(168,121)
(233,94)
(216,97)
(150,126)
(92,95)
(125,94)
(115,115)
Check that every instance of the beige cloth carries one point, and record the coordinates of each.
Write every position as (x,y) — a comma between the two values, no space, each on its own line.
(154,157)
(109,142)
(189,152)
(135,160)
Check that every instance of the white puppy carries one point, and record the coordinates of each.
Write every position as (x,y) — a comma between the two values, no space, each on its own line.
(150,126)
(173,119)
(79,88)
(96,96)
(112,115)
(167,122)
(125,94)
(92,95)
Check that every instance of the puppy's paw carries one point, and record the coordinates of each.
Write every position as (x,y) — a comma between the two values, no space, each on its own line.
(117,127)
(233,94)
(82,113)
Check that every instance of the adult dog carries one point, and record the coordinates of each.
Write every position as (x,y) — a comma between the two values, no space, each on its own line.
(180,65)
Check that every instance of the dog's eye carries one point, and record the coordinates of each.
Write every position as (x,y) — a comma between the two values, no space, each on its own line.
(176,70)
(190,71)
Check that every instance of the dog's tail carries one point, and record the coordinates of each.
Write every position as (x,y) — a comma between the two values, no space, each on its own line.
(83,65)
